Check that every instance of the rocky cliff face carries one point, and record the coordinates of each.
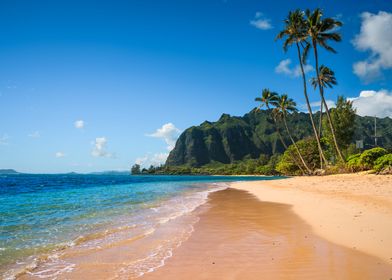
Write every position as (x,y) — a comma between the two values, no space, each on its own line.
(235,138)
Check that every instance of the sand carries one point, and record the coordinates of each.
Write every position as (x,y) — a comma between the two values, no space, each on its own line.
(241,237)
(353,210)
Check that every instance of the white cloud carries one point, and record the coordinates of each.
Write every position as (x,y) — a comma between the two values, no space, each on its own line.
(376,37)
(79,124)
(167,132)
(99,149)
(284,68)
(316,105)
(59,155)
(4,139)
(260,22)
(149,159)
(374,103)
(35,134)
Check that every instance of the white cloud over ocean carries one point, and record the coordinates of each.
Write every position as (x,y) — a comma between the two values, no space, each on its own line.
(152,159)
(99,148)
(59,155)
(34,134)
(375,37)
(169,133)
(79,124)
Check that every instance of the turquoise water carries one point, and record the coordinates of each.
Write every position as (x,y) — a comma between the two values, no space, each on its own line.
(41,214)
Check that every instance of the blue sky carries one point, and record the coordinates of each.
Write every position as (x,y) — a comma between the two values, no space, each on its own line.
(99,85)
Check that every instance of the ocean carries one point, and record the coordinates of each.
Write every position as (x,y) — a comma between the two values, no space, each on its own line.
(45,219)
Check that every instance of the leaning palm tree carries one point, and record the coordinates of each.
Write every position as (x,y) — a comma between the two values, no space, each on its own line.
(320,31)
(327,79)
(295,32)
(269,97)
(283,106)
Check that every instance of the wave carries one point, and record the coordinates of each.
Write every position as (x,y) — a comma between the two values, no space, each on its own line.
(138,227)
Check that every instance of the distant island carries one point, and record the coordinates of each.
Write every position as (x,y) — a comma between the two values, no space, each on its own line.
(8,171)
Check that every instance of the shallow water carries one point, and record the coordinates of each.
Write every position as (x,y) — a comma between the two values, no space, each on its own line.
(45,217)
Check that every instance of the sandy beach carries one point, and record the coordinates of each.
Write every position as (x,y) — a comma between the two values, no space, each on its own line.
(353,210)
(331,227)
(334,227)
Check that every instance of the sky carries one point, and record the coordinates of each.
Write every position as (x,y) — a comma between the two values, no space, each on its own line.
(99,85)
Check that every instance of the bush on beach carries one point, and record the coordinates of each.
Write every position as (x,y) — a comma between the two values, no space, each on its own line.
(368,157)
(383,162)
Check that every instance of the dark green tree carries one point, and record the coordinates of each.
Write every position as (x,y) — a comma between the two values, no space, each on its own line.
(343,116)
(135,169)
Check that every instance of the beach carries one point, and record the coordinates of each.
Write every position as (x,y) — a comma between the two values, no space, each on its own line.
(353,210)
(331,227)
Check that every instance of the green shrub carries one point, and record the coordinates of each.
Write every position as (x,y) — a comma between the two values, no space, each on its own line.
(288,164)
(383,162)
(287,167)
(265,170)
(354,163)
(368,157)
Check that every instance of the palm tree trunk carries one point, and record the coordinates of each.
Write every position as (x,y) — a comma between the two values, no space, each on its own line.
(321,119)
(325,104)
(320,126)
(322,156)
(295,145)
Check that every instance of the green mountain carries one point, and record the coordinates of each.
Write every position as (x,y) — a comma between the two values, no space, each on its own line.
(234,138)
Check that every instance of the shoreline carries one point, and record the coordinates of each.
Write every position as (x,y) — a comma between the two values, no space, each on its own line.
(240,237)
(352,210)
(329,227)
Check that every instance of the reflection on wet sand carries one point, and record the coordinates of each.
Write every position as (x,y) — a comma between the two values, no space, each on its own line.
(240,237)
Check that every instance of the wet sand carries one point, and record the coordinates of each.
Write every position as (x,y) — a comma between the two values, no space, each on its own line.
(240,237)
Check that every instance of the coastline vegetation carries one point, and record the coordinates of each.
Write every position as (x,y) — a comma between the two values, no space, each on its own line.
(326,149)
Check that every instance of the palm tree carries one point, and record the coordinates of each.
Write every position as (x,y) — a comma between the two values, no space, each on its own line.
(295,33)
(283,106)
(269,97)
(320,31)
(327,79)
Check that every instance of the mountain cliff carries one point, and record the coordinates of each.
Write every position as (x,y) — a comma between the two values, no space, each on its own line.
(234,138)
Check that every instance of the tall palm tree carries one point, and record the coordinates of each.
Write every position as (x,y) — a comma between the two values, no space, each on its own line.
(327,79)
(268,97)
(320,31)
(295,32)
(283,106)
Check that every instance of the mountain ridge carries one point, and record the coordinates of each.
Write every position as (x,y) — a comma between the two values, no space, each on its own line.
(235,138)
